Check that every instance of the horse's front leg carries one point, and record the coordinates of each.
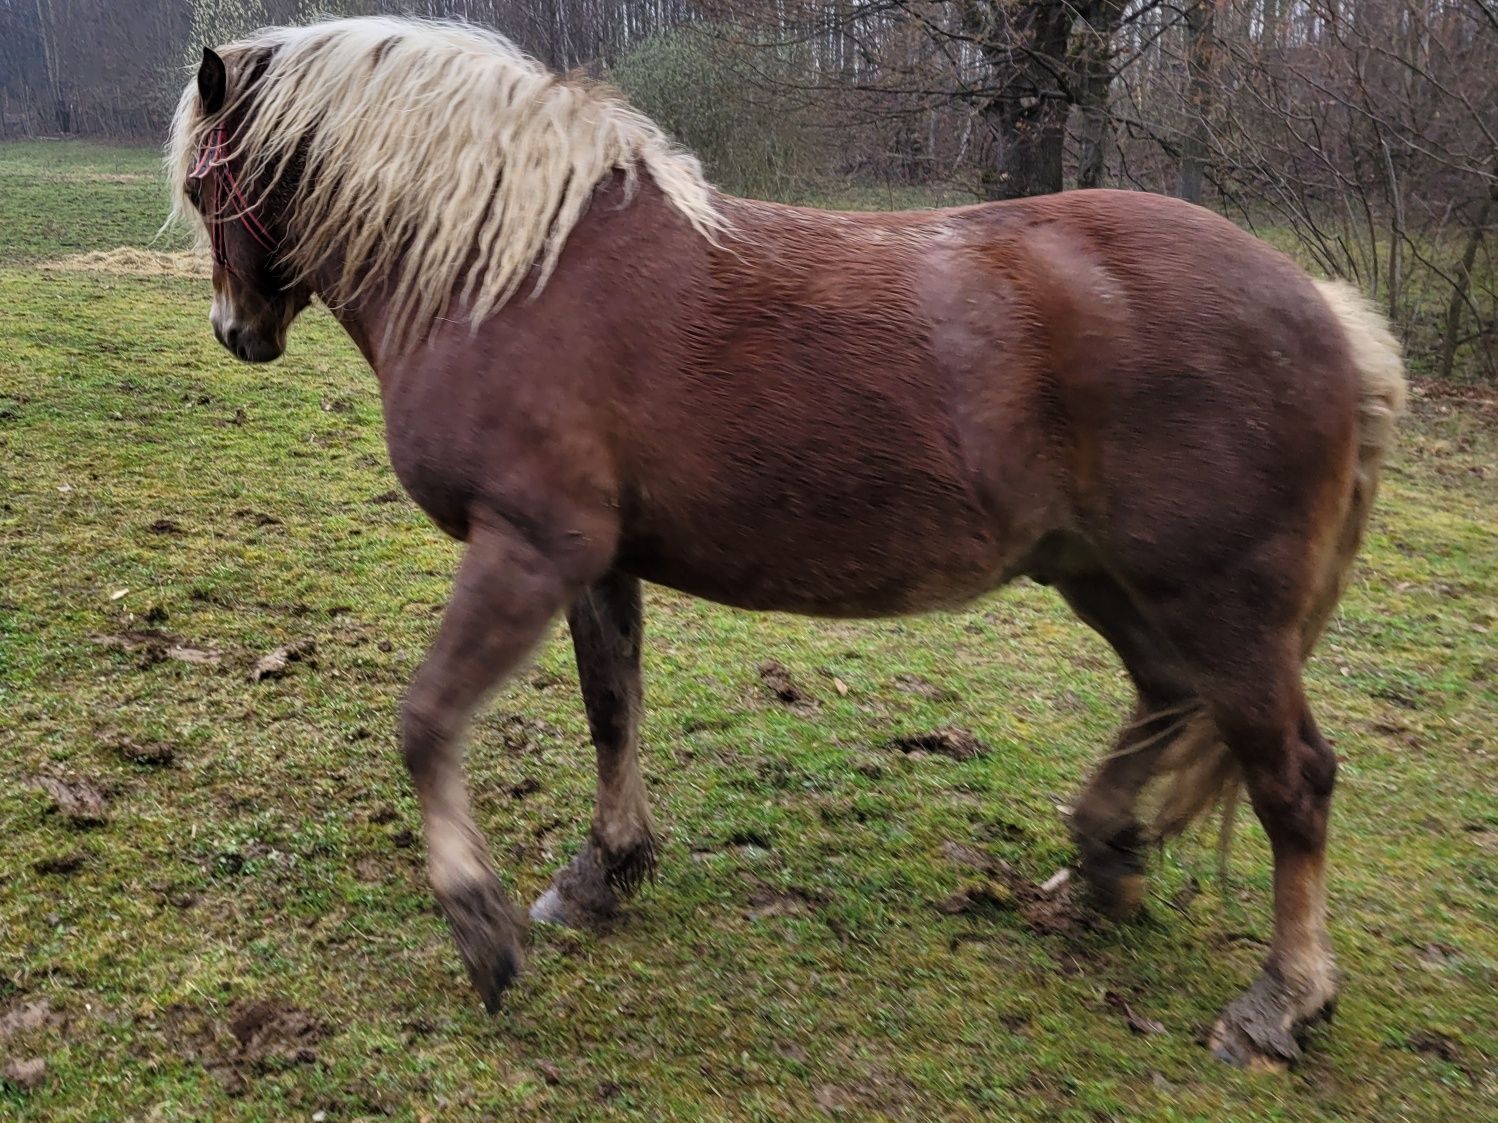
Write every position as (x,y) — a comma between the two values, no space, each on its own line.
(505,594)
(607,631)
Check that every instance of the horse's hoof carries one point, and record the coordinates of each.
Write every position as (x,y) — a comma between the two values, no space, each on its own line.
(1258,1029)
(1121,898)
(552,907)
(1114,871)
(580,895)
(488,934)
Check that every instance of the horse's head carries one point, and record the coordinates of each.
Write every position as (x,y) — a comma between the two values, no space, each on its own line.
(254,300)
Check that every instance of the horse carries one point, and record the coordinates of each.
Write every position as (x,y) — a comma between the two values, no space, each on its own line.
(596,370)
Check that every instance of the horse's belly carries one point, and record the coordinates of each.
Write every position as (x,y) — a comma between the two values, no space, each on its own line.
(779,561)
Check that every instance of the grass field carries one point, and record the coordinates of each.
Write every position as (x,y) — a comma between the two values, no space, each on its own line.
(247,934)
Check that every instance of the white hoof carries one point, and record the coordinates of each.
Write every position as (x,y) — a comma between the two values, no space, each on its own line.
(550,908)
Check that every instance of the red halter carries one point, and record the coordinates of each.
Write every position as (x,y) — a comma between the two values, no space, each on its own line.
(213,158)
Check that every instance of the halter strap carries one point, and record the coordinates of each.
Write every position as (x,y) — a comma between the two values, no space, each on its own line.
(213,159)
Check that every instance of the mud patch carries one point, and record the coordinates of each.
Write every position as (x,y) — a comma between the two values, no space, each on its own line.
(783,688)
(971,857)
(1048,909)
(152,646)
(767,902)
(256,518)
(25,1073)
(127,261)
(971,900)
(62,865)
(275,1030)
(951,742)
(924,688)
(258,1037)
(78,801)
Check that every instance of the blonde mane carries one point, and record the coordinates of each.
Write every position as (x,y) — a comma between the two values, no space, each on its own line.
(436,143)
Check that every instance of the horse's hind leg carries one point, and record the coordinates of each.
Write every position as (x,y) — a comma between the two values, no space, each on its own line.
(607,631)
(1290,771)
(1111,842)
(1244,650)
(505,595)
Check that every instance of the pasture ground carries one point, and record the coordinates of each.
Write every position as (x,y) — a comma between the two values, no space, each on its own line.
(247,933)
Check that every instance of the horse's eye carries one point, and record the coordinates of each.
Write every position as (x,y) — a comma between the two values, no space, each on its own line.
(195,191)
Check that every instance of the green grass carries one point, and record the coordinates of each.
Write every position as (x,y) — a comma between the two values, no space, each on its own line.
(273,859)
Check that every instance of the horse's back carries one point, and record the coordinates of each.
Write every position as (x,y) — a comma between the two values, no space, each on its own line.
(949,389)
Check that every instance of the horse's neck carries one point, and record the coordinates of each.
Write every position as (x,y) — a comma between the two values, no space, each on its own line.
(616,227)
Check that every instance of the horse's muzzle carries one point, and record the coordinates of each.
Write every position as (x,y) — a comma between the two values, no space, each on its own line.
(250,345)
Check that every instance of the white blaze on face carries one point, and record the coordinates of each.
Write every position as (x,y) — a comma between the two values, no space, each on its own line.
(221,315)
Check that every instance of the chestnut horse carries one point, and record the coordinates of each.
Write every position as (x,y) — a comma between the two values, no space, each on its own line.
(598,371)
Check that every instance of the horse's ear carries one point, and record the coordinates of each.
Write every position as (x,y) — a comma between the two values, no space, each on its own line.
(213,82)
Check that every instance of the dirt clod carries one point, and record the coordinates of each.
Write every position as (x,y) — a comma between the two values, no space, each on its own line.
(25,1074)
(276,663)
(957,744)
(79,801)
(988,896)
(1435,1044)
(1134,1020)
(154,754)
(549,1072)
(164,526)
(27,1015)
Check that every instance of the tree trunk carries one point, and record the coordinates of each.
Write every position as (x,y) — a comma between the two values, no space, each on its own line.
(1024,44)
(1093,66)
(1028,133)
(1200,60)
(1458,302)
